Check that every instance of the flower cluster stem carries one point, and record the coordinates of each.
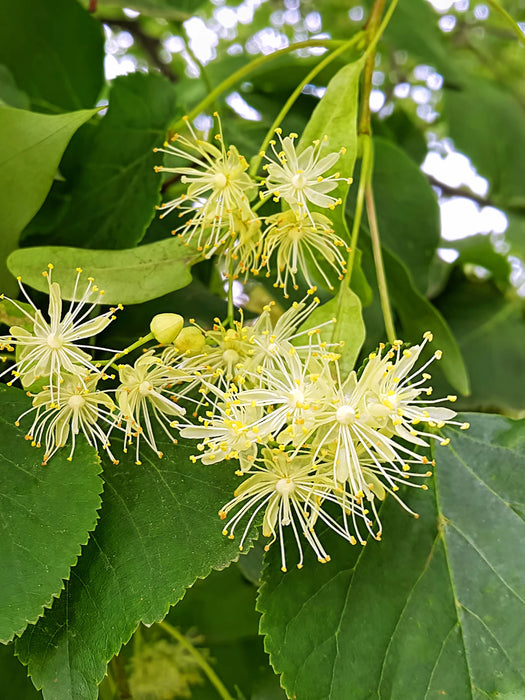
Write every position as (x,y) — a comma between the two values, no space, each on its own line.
(199,658)
(378,262)
(374,29)
(494,4)
(364,178)
(243,72)
(296,93)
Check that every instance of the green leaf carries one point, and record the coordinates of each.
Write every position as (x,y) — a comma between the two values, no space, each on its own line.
(41,530)
(428,43)
(9,91)
(127,276)
(487,123)
(407,210)
(335,117)
(15,683)
(31,145)
(349,326)
(478,250)
(158,532)
(418,315)
(175,10)
(39,43)
(110,182)
(10,314)
(230,632)
(434,609)
(490,331)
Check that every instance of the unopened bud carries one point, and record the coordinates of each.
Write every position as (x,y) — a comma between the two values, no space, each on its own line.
(190,340)
(166,327)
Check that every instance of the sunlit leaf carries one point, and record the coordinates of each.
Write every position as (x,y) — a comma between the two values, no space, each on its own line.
(127,276)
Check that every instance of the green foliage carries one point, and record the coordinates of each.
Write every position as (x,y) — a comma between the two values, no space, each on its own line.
(488,328)
(95,553)
(39,43)
(478,114)
(161,267)
(112,165)
(345,310)
(31,145)
(407,210)
(402,618)
(41,532)
(158,532)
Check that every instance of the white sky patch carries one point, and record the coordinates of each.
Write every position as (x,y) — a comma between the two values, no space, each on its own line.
(130,13)
(449,255)
(377,100)
(239,105)
(461,217)
(454,169)
(202,40)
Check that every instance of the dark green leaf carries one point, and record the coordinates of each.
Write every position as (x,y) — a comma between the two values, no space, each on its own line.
(435,609)
(9,91)
(490,331)
(478,250)
(487,123)
(407,210)
(175,10)
(129,276)
(111,185)
(55,51)
(418,315)
(15,683)
(230,632)
(158,532)
(31,145)
(41,531)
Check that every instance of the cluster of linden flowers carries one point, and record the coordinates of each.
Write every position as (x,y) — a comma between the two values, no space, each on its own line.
(309,445)
(219,213)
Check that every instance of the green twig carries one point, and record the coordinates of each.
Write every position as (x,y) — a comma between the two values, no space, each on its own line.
(249,68)
(378,262)
(230,291)
(199,658)
(364,178)
(295,94)
(512,22)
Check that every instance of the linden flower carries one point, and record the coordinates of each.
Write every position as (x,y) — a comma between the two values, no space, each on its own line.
(273,340)
(224,353)
(227,432)
(291,493)
(298,179)
(145,387)
(79,410)
(292,395)
(392,392)
(219,189)
(302,242)
(50,348)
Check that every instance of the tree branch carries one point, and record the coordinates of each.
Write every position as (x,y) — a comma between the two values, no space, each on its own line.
(150,45)
(448,191)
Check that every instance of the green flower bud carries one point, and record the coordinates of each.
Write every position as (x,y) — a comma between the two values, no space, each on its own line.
(190,340)
(166,327)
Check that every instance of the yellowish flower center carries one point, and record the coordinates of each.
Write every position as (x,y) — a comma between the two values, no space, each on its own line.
(299,181)
(345,415)
(76,402)
(55,341)
(285,487)
(219,181)
(145,388)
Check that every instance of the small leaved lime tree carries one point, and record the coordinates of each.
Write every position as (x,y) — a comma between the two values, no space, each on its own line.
(244,319)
